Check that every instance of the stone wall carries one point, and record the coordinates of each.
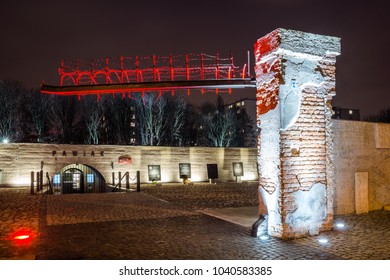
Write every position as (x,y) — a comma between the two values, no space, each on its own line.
(358,147)
(361,147)
(17,161)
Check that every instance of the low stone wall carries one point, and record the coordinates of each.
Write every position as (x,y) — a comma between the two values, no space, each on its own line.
(360,149)
(17,161)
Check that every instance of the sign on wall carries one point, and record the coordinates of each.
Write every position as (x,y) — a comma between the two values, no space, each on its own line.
(154,172)
(238,169)
(212,171)
(185,170)
(125,159)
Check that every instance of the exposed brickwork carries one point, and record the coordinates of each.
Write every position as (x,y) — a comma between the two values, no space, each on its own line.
(295,83)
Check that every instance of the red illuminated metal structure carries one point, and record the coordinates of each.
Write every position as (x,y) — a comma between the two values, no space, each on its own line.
(156,73)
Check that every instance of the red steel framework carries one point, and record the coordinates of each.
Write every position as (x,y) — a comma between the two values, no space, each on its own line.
(153,73)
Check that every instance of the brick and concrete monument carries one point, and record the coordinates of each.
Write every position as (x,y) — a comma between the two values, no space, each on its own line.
(295,80)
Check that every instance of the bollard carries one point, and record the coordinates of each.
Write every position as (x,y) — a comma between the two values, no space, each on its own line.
(38,182)
(41,180)
(138,181)
(32,183)
(120,180)
(113,178)
(127,181)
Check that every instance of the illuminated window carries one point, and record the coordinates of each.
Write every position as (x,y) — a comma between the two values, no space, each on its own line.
(242,103)
(351,112)
(132,124)
(90,178)
(57,179)
(238,104)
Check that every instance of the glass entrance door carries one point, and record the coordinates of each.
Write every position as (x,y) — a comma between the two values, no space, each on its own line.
(72,181)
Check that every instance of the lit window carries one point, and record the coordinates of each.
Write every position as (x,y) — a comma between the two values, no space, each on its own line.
(242,103)
(238,104)
(351,112)
(132,124)
(56,179)
(90,178)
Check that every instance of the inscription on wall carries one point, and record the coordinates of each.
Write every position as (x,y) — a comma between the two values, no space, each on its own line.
(76,153)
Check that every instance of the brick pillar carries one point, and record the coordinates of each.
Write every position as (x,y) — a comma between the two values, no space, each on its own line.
(295,79)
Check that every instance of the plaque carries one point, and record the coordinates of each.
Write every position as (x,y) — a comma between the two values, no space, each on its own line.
(212,171)
(238,169)
(185,170)
(154,172)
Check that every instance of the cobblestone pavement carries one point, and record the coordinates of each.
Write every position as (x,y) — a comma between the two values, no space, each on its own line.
(162,222)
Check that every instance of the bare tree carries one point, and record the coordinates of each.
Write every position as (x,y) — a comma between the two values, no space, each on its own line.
(63,117)
(152,119)
(177,109)
(10,92)
(220,129)
(38,110)
(93,112)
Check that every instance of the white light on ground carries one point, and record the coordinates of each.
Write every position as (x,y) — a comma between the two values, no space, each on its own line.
(264,237)
(340,225)
(323,240)
(5,141)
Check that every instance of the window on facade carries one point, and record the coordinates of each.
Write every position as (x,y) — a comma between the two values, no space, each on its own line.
(90,178)
(57,179)
(351,112)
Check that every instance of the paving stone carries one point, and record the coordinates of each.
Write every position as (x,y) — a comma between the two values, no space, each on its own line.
(164,223)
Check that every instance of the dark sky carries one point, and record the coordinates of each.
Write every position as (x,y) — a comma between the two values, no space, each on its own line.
(36,35)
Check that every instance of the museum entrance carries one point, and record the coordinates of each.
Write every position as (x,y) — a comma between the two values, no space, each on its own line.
(72,181)
(78,178)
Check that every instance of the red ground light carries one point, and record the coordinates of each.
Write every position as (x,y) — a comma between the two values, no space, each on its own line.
(22,237)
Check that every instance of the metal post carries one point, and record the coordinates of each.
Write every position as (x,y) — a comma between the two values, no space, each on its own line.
(138,181)
(113,178)
(32,183)
(154,68)
(120,180)
(171,67)
(136,69)
(187,69)
(38,182)
(127,181)
(41,180)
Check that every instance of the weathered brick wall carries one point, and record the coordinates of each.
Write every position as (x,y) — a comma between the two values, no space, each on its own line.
(18,160)
(295,78)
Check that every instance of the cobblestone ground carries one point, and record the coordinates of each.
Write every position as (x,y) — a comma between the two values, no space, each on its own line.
(19,212)
(162,222)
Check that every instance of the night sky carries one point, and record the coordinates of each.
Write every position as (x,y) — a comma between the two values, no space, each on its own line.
(36,35)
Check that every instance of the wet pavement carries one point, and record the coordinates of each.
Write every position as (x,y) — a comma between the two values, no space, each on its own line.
(171,221)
